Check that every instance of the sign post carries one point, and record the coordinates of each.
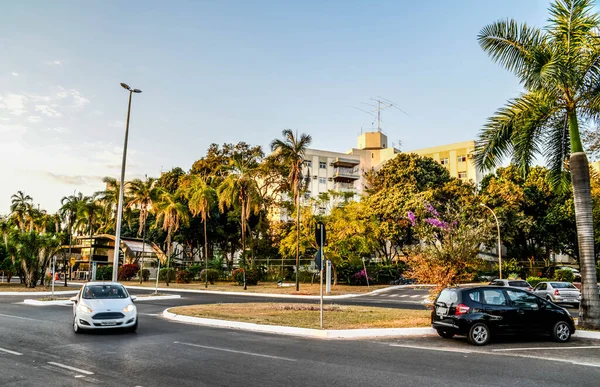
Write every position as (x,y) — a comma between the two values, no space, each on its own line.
(157,275)
(320,237)
(53,273)
(328,278)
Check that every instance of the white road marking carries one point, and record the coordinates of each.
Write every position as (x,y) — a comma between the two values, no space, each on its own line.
(235,351)
(404,295)
(71,368)
(18,317)
(11,352)
(415,296)
(80,376)
(432,348)
(393,295)
(544,348)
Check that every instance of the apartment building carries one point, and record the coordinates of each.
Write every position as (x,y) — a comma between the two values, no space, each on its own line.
(457,158)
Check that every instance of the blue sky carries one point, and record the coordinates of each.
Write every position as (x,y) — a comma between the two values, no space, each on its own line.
(229,71)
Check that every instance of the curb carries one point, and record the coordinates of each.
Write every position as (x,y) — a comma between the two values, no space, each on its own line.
(63,292)
(303,332)
(587,334)
(68,302)
(272,295)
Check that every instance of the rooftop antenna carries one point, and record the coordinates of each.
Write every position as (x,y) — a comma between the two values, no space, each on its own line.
(379,104)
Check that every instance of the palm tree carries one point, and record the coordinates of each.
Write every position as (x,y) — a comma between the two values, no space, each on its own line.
(109,198)
(141,194)
(559,68)
(201,198)
(88,213)
(291,151)
(239,190)
(171,213)
(68,212)
(20,208)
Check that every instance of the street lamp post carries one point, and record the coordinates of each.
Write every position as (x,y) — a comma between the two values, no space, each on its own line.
(122,187)
(499,240)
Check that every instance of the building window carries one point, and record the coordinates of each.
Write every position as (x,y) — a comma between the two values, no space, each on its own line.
(307,195)
(462,159)
(444,161)
(322,180)
(462,175)
(322,165)
(308,163)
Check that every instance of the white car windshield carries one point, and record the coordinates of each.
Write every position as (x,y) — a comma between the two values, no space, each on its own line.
(104,292)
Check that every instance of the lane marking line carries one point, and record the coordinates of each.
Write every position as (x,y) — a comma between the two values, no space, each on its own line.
(234,351)
(11,352)
(18,317)
(71,368)
(415,296)
(404,295)
(542,348)
(440,349)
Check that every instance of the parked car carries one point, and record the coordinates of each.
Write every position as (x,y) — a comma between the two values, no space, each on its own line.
(559,292)
(481,312)
(521,284)
(575,272)
(104,305)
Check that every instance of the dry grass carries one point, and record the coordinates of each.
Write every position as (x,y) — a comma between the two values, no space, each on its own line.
(50,298)
(264,287)
(17,287)
(307,315)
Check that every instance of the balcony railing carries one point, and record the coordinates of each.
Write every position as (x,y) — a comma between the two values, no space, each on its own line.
(346,173)
(343,186)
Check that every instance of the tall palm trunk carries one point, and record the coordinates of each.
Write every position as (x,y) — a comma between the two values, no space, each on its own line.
(589,309)
(141,274)
(168,253)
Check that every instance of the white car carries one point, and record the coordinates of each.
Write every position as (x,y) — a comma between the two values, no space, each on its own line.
(102,305)
(558,292)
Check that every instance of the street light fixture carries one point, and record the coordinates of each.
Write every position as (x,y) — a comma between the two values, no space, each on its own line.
(122,188)
(499,240)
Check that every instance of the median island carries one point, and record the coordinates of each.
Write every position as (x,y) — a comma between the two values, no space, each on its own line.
(307,315)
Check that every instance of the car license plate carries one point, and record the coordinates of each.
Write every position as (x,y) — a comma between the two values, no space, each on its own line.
(109,323)
(441,311)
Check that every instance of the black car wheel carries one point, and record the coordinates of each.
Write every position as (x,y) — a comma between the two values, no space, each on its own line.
(561,332)
(445,334)
(479,334)
(133,328)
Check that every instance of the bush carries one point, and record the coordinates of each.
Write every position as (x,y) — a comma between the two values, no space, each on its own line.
(104,273)
(513,276)
(360,278)
(564,275)
(533,281)
(162,275)
(127,271)
(307,276)
(195,270)
(145,274)
(251,276)
(213,275)
(384,274)
(183,277)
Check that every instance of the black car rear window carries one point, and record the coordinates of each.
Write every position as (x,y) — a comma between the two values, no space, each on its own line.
(448,297)
(520,284)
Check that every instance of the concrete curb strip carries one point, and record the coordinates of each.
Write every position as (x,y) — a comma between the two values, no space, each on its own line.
(587,334)
(68,302)
(305,332)
(272,295)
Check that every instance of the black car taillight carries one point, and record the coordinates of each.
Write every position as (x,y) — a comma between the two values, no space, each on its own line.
(461,309)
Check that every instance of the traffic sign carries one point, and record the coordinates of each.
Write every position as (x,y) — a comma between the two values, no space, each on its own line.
(318,259)
(320,235)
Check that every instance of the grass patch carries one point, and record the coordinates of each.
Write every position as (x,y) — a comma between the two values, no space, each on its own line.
(54,298)
(17,287)
(307,315)
(264,287)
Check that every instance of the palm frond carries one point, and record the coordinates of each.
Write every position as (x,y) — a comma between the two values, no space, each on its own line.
(557,151)
(571,22)
(509,44)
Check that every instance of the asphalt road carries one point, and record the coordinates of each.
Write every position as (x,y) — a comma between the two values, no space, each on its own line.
(39,348)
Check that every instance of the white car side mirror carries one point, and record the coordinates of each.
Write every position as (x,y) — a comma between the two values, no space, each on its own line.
(133,298)
(73,299)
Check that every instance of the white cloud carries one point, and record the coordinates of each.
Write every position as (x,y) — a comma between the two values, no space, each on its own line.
(14,103)
(48,110)
(59,129)
(34,119)
(54,63)
(78,100)
(4,119)
(117,124)
(15,74)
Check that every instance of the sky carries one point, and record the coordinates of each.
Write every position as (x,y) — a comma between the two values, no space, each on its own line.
(230,71)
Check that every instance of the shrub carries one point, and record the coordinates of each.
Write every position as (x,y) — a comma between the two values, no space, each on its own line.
(360,278)
(536,280)
(195,270)
(127,271)
(513,276)
(564,275)
(145,274)
(162,276)
(183,277)
(213,275)
(384,274)
(251,276)
(307,276)
(104,273)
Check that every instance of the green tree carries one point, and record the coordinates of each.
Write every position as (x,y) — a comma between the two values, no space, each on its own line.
(140,195)
(32,250)
(68,212)
(559,68)
(20,208)
(291,152)
(201,197)
(171,213)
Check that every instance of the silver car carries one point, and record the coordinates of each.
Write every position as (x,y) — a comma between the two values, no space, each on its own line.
(519,284)
(558,292)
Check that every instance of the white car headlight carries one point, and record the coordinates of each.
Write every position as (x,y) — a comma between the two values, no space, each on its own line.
(129,308)
(85,308)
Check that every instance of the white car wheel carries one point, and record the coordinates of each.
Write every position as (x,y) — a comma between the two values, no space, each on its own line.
(76,328)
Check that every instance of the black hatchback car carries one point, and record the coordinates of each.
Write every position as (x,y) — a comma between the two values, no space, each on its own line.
(481,312)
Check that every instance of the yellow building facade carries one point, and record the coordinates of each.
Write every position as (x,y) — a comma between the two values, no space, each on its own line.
(457,158)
